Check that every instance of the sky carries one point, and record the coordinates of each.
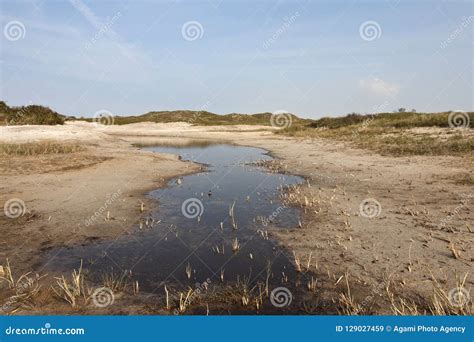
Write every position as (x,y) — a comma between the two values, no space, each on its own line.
(311,58)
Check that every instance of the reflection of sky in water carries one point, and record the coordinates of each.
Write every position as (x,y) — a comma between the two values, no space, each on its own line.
(162,254)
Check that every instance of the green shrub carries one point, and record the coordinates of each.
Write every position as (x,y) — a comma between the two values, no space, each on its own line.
(29,115)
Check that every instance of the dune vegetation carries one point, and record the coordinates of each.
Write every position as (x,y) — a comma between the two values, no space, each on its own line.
(29,115)
(399,134)
(38,148)
(201,118)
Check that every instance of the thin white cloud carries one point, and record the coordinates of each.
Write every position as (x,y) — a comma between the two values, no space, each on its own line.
(379,87)
(92,18)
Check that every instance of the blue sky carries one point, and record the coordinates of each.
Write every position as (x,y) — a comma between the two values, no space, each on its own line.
(312,58)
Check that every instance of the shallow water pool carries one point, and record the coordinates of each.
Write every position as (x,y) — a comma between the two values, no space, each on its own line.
(195,232)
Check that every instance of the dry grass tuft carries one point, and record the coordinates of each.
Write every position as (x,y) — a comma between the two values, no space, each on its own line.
(71,290)
(25,289)
(297,261)
(347,303)
(455,252)
(235,245)
(117,283)
(312,284)
(401,306)
(184,300)
(189,271)
(38,148)
(456,301)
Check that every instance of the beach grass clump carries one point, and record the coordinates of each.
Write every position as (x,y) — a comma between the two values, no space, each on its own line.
(71,290)
(23,290)
(38,148)
(116,282)
(456,301)
(235,245)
